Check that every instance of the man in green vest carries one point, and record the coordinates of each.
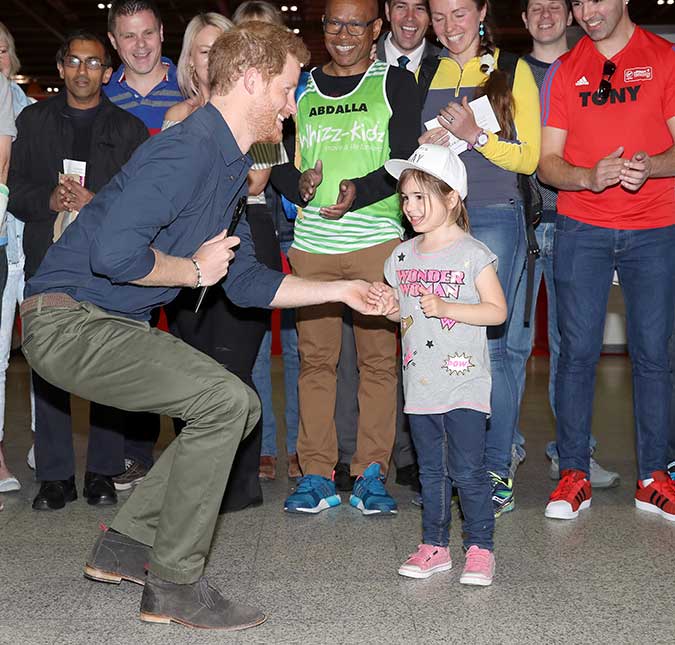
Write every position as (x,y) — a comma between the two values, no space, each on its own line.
(353,115)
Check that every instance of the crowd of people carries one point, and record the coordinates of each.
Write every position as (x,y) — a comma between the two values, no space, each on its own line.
(403,202)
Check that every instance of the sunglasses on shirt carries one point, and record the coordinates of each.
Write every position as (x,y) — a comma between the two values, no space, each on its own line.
(605,87)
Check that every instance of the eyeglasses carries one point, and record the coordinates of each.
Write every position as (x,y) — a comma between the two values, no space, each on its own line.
(354,28)
(92,63)
(605,87)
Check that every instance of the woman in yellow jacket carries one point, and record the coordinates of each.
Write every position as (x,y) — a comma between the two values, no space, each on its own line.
(468,67)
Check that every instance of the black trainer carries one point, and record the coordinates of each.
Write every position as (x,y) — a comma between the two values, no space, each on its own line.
(343,480)
(198,604)
(409,476)
(116,557)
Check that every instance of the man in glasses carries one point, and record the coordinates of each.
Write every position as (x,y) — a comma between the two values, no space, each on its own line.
(67,149)
(546,21)
(353,115)
(608,111)
(404,46)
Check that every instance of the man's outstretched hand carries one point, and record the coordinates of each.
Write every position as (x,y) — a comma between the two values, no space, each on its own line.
(355,296)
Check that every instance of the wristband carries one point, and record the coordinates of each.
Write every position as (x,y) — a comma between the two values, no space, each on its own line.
(199,273)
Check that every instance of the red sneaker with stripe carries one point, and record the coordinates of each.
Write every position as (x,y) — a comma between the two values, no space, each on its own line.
(572,494)
(658,497)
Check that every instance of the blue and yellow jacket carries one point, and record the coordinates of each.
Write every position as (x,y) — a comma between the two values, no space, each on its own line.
(492,169)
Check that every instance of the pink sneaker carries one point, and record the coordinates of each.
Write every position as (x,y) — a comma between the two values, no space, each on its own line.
(479,567)
(426,561)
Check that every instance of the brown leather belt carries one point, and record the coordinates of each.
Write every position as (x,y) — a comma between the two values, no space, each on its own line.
(45,300)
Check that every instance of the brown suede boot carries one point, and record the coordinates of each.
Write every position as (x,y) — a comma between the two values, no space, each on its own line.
(268,468)
(293,466)
(198,604)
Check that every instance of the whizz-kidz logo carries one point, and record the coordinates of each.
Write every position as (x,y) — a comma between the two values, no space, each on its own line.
(359,133)
(616,95)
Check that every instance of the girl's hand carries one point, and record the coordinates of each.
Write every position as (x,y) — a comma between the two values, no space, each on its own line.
(438,136)
(432,306)
(383,298)
(458,118)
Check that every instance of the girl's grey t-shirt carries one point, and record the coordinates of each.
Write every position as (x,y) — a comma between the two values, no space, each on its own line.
(446,364)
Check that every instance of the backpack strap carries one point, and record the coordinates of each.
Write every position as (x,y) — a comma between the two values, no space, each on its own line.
(507,63)
(531,198)
(426,73)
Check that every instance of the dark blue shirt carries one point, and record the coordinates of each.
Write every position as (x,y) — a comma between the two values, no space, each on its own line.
(177,191)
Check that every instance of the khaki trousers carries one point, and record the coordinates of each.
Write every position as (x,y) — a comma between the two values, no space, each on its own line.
(319,340)
(129,365)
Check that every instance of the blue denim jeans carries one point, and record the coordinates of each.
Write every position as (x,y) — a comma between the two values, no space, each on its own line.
(520,338)
(263,382)
(671,439)
(585,258)
(501,227)
(451,452)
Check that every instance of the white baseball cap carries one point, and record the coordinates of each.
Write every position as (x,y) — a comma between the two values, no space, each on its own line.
(437,161)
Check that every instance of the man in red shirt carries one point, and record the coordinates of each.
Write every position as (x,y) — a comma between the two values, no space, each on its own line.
(608,116)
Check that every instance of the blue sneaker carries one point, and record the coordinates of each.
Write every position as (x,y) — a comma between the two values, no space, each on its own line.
(369,494)
(502,494)
(312,495)
(671,470)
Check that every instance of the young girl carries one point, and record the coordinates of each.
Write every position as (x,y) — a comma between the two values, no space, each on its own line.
(470,66)
(445,292)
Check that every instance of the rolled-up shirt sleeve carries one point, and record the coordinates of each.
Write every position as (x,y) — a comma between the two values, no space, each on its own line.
(120,250)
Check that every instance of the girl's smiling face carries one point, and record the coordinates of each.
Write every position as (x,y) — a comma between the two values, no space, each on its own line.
(426,211)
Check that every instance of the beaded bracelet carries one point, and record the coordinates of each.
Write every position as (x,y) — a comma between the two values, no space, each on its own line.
(199,273)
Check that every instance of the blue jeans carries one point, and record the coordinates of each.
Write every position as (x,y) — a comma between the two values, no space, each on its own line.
(671,439)
(501,227)
(520,338)
(585,258)
(451,452)
(263,382)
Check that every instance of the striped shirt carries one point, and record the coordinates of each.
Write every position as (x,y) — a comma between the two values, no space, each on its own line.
(149,108)
(265,155)
(350,134)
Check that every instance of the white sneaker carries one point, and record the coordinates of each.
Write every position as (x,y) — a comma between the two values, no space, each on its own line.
(600,478)
(10,484)
(30,459)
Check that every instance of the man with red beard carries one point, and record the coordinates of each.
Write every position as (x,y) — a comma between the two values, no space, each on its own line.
(160,224)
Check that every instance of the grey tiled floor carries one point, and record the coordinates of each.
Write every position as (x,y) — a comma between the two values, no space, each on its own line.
(607,578)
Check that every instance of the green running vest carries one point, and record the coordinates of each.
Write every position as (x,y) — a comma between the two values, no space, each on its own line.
(350,134)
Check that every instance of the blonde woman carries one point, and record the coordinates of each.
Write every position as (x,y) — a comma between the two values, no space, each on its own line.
(193,77)
(13,291)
